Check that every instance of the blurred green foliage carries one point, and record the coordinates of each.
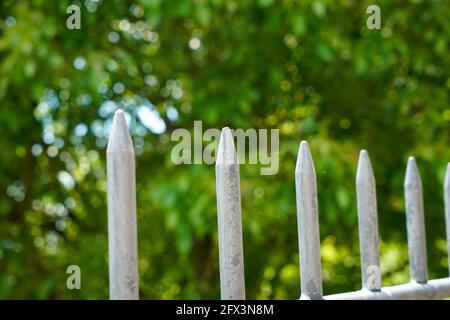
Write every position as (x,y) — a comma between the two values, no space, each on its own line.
(310,68)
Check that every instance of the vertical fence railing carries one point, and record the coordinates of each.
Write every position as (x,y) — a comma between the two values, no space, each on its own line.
(308,225)
(122,225)
(231,254)
(310,271)
(415,223)
(368,223)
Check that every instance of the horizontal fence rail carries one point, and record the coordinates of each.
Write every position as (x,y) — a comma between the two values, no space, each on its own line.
(122,225)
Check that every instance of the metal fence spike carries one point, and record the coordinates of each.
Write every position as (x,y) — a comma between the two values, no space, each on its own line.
(415,223)
(122,224)
(232,282)
(368,223)
(308,225)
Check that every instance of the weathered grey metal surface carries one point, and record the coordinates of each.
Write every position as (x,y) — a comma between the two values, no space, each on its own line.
(231,254)
(433,289)
(447,210)
(122,233)
(415,223)
(308,225)
(368,223)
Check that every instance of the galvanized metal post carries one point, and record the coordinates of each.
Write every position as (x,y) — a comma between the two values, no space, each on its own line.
(231,253)
(122,229)
(368,224)
(415,223)
(308,225)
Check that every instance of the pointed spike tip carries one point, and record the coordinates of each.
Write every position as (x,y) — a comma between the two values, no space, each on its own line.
(304,149)
(119,118)
(447,178)
(411,165)
(363,158)
(304,159)
(226,154)
(119,136)
(364,170)
(412,177)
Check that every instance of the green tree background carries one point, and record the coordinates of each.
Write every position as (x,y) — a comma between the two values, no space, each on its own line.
(310,68)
